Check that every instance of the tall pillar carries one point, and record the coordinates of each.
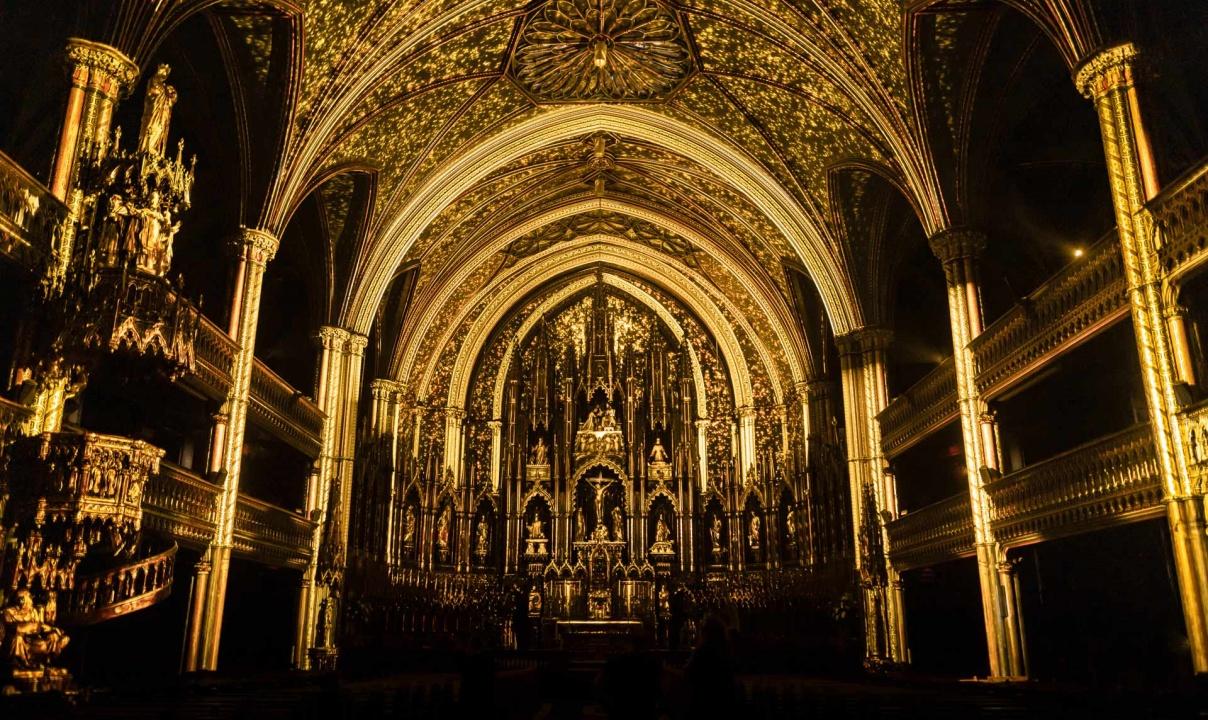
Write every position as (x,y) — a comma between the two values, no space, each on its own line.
(255,248)
(1107,79)
(958,249)
(384,418)
(746,444)
(337,391)
(873,493)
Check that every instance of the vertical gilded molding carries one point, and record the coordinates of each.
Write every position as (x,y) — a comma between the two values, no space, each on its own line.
(1107,79)
(958,250)
(254,249)
(862,368)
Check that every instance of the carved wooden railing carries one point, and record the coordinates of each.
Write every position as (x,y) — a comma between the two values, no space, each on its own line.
(272,534)
(119,591)
(933,534)
(183,506)
(928,405)
(1181,215)
(31,219)
(275,405)
(1110,481)
(292,416)
(1086,297)
(1193,426)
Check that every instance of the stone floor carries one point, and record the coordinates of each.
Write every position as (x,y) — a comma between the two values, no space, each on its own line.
(631,688)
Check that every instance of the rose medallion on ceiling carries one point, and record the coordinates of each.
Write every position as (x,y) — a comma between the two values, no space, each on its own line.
(601,50)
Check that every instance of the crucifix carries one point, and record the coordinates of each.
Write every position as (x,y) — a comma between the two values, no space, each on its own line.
(599,484)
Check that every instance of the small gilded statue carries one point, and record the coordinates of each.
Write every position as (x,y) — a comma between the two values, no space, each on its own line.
(29,640)
(715,537)
(790,528)
(540,453)
(580,524)
(157,112)
(753,533)
(536,529)
(662,538)
(618,524)
(482,541)
(658,454)
(409,527)
(442,531)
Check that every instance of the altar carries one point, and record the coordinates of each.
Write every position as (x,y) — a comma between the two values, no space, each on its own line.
(600,637)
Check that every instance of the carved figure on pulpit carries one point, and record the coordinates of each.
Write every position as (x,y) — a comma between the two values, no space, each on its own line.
(658,454)
(157,113)
(618,524)
(30,641)
(753,533)
(540,455)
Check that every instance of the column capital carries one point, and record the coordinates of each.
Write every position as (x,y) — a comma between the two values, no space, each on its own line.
(105,59)
(455,413)
(384,388)
(746,412)
(957,243)
(256,246)
(495,424)
(332,337)
(355,343)
(1105,71)
(865,339)
(807,388)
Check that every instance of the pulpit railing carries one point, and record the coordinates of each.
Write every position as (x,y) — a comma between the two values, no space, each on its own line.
(120,590)
(933,534)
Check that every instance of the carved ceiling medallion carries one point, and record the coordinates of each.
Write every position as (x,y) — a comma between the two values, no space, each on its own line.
(601,50)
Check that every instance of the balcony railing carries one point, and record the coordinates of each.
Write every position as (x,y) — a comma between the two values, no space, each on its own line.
(183,506)
(275,405)
(933,534)
(1181,214)
(1111,481)
(31,219)
(928,405)
(1074,305)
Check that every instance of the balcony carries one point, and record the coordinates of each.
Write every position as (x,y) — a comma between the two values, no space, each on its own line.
(1181,214)
(1111,481)
(933,534)
(181,505)
(121,590)
(1081,300)
(31,219)
(275,405)
(927,406)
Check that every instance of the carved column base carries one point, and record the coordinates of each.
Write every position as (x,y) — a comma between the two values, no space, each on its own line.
(1190,547)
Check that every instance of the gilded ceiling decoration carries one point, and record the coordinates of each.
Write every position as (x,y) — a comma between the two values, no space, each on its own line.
(601,50)
(601,223)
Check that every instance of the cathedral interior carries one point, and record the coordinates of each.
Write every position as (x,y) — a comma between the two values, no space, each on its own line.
(405,358)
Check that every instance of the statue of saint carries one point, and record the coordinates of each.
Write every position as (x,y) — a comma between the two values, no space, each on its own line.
(482,543)
(790,527)
(618,524)
(536,529)
(30,641)
(662,533)
(442,529)
(610,419)
(540,454)
(157,112)
(580,524)
(658,454)
(409,526)
(715,534)
(753,532)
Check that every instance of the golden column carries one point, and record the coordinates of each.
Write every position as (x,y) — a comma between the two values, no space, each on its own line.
(254,249)
(337,391)
(100,76)
(1107,79)
(384,418)
(959,249)
(873,492)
